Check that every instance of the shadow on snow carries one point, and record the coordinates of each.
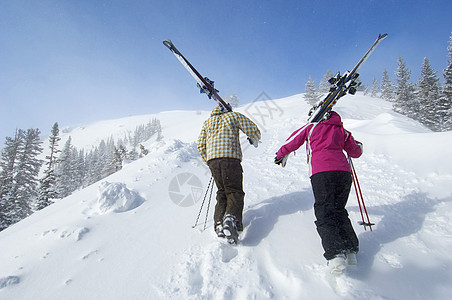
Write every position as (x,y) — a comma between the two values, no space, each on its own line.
(262,217)
(400,220)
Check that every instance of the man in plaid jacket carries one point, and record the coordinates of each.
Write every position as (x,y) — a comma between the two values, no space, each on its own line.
(219,146)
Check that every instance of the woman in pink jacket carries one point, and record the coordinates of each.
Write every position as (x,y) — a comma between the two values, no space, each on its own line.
(331,181)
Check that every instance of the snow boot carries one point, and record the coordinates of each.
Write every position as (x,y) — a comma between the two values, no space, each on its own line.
(230,229)
(219,230)
(239,226)
(351,258)
(337,265)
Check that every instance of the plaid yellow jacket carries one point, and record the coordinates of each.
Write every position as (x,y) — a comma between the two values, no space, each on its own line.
(220,134)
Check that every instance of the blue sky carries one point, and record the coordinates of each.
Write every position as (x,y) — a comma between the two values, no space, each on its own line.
(75,62)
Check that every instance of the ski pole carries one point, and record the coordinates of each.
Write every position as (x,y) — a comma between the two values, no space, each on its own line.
(357,195)
(202,204)
(360,198)
(208,207)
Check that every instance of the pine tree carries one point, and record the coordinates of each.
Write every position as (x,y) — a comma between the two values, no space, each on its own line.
(27,174)
(445,105)
(375,87)
(405,101)
(119,157)
(387,87)
(233,100)
(312,96)
(94,167)
(428,95)
(8,162)
(64,171)
(79,167)
(109,167)
(324,86)
(20,167)
(158,129)
(132,154)
(143,151)
(47,189)
(360,86)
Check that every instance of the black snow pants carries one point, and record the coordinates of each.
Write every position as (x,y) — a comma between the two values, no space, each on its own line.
(331,190)
(228,176)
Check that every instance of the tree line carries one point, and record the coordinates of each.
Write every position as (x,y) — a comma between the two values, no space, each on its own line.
(28,183)
(427,101)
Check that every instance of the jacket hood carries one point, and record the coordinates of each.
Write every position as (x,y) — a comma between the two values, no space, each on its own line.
(217,111)
(334,119)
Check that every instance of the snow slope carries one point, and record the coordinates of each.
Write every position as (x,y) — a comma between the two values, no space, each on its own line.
(130,236)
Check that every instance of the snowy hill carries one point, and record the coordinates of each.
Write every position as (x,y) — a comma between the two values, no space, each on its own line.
(130,236)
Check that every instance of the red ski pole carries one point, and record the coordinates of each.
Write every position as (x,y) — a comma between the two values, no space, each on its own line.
(359,195)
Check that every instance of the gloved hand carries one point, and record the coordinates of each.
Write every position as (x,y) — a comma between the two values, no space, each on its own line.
(253,141)
(279,161)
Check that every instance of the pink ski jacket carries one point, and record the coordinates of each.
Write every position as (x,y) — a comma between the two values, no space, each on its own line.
(325,144)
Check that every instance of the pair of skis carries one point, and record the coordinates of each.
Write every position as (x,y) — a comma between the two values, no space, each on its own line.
(341,84)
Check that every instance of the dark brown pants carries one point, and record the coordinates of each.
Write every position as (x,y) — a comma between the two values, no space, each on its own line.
(228,176)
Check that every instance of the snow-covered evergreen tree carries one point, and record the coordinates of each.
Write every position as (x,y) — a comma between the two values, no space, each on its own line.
(108,158)
(103,163)
(405,101)
(132,154)
(64,171)
(79,167)
(375,88)
(428,95)
(155,127)
(324,85)
(143,133)
(47,188)
(312,96)
(120,156)
(233,100)
(26,177)
(8,162)
(361,86)
(143,151)
(94,167)
(387,87)
(445,104)
(18,177)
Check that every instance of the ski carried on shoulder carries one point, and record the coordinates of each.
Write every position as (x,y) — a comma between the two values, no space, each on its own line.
(205,85)
(341,85)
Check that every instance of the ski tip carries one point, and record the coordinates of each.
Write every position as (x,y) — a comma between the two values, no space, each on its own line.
(168,43)
(382,36)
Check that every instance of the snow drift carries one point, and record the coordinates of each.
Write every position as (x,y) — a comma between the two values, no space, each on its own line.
(116,197)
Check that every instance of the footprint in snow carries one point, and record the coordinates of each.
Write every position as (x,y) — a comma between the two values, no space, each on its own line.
(392,260)
(9,280)
(228,252)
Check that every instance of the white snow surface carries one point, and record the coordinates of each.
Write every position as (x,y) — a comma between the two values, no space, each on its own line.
(130,235)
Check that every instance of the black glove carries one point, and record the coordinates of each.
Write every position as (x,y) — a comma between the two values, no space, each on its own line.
(278,161)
